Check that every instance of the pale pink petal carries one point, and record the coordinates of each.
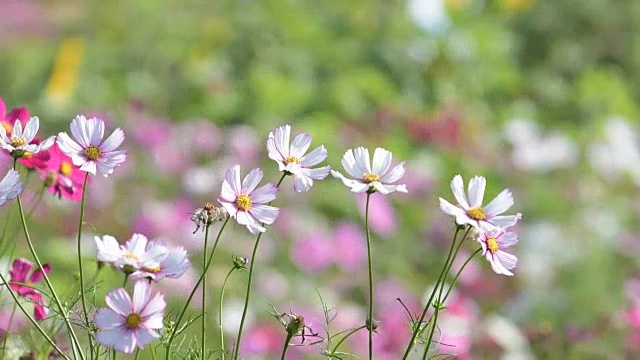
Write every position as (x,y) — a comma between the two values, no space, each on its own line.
(349,164)
(40,311)
(119,338)
(363,162)
(272,151)
(457,187)
(152,307)
(20,270)
(141,296)
(264,213)
(282,136)
(95,130)
(244,218)
(449,208)
(108,248)
(508,239)
(108,319)
(233,178)
(500,204)
(119,301)
(476,191)
(68,146)
(251,181)
(509,261)
(145,336)
(394,175)
(300,145)
(17,129)
(230,207)
(89,166)
(113,141)
(315,157)
(78,125)
(387,189)
(381,161)
(302,183)
(31,129)
(318,173)
(355,185)
(505,221)
(137,244)
(226,192)
(264,194)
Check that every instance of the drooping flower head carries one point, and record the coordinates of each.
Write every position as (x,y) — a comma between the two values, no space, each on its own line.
(245,203)
(10,186)
(21,141)
(132,256)
(130,323)
(89,151)
(471,211)
(368,178)
(292,160)
(493,243)
(20,274)
(62,178)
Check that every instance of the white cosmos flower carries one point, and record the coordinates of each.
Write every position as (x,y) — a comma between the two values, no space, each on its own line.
(132,256)
(21,139)
(10,186)
(88,150)
(493,243)
(378,177)
(471,211)
(292,160)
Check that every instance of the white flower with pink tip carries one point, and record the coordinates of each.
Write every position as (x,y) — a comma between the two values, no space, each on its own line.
(368,177)
(21,139)
(247,204)
(89,151)
(470,210)
(292,160)
(129,323)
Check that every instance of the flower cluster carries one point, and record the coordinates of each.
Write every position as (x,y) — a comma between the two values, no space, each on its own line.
(140,258)
(490,225)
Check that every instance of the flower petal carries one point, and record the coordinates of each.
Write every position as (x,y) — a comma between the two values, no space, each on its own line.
(505,221)
(20,269)
(141,296)
(95,130)
(264,194)
(145,336)
(300,145)
(381,161)
(68,146)
(356,186)
(318,173)
(315,157)
(37,275)
(363,162)
(108,248)
(113,141)
(394,175)
(152,307)
(233,178)
(507,260)
(78,125)
(31,129)
(119,338)
(282,136)
(476,191)
(264,213)
(119,301)
(246,219)
(107,319)
(251,181)
(500,204)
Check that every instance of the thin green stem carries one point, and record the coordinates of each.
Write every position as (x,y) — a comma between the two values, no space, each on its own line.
(204,292)
(345,338)
(193,291)
(31,319)
(137,353)
(74,338)
(286,346)
(418,325)
(248,293)
(370,321)
(455,280)
(433,327)
(224,284)
(124,282)
(83,300)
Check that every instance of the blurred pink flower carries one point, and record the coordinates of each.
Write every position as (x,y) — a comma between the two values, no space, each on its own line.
(350,246)
(456,327)
(382,216)
(263,339)
(313,253)
(243,144)
(63,178)
(20,274)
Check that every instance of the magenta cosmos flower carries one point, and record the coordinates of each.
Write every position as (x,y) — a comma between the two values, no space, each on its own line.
(245,203)
(127,322)
(471,212)
(368,178)
(292,160)
(62,178)
(89,151)
(21,141)
(492,244)
(20,274)
(10,186)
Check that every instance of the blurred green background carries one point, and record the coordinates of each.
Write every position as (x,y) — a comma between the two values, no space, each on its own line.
(539,96)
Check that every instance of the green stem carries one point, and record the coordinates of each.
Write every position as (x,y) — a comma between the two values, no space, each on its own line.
(224,284)
(248,294)
(344,339)
(79,244)
(193,291)
(418,325)
(433,327)
(204,292)
(124,282)
(455,280)
(74,339)
(370,317)
(286,346)
(31,319)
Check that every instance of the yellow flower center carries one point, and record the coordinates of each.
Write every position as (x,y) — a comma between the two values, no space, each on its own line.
(92,152)
(133,321)
(492,244)
(291,159)
(477,213)
(131,256)
(16,141)
(65,168)
(27,154)
(8,127)
(152,270)
(244,202)
(370,177)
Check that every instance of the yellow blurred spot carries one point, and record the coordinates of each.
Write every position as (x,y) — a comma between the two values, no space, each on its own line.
(8,127)
(517,5)
(64,76)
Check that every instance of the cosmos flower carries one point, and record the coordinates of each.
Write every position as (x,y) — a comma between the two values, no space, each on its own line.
(292,160)
(132,256)
(492,244)
(172,266)
(129,323)
(10,186)
(471,212)
(20,274)
(245,203)
(379,178)
(89,151)
(62,178)
(21,141)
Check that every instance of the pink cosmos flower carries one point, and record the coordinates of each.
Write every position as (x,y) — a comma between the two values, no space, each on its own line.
(10,186)
(21,141)
(292,160)
(245,203)
(62,177)
(172,266)
(368,178)
(20,274)
(492,243)
(471,212)
(127,322)
(89,151)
